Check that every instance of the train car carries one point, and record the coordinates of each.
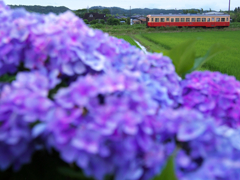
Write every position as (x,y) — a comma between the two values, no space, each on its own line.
(188,20)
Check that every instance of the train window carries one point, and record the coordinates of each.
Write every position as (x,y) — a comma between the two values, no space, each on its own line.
(213,20)
(222,19)
(193,19)
(152,19)
(198,19)
(203,19)
(182,19)
(177,19)
(208,19)
(227,19)
(167,19)
(162,19)
(172,19)
(156,19)
(187,19)
(217,19)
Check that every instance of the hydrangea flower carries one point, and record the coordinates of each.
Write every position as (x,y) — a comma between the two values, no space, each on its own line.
(65,43)
(214,94)
(22,104)
(105,125)
(205,149)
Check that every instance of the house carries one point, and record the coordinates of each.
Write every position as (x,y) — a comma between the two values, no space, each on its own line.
(142,20)
(136,21)
(94,16)
(120,17)
(139,19)
(136,16)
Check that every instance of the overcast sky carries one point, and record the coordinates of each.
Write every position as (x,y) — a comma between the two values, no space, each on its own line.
(161,4)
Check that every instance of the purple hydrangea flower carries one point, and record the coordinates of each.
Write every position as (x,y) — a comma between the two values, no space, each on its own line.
(65,43)
(105,125)
(214,94)
(22,104)
(205,149)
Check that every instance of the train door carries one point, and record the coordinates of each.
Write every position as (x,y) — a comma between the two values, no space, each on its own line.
(213,22)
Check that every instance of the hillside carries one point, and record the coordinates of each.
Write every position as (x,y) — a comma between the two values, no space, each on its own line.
(145,11)
(113,10)
(42,9)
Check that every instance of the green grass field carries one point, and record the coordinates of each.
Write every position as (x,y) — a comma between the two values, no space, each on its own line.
(141,28)
(227,62)
(128,39)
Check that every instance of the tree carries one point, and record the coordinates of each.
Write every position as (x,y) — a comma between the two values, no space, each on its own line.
(93,22)
(116,22)
(80,12)
(86,21)
(128,21)
(102,21)
(110,21)
(122,19)
(106,11)
(113,21)
(95,10)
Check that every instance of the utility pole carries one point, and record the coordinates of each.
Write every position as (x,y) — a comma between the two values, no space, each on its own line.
(130,12)
(229,7)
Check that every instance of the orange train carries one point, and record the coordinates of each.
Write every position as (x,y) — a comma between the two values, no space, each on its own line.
(188,20)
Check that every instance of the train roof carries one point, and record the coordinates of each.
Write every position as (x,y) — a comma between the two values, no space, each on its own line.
(204,15)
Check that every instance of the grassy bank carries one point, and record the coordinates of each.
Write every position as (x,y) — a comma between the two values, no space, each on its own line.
(128,39)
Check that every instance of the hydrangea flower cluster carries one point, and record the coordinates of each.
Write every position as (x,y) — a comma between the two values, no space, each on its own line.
(205,150)
(65,43)
(108,107)
(22,103)
(215,94)
(106,127)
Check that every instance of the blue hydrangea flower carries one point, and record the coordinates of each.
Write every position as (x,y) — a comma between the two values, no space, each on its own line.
(205,149)
(214,94)
(22,104)
(105,125)
(65,43)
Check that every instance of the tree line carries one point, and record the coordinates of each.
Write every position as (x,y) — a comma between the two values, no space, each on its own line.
(42,9)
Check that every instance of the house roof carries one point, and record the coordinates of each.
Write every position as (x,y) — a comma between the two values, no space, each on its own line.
(120,17)
(142,19)
(93,16)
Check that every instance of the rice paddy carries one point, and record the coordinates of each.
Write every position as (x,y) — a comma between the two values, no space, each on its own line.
(227,62)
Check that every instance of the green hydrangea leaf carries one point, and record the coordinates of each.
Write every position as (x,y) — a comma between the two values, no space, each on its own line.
(168,172)
(7,78)
(183,57)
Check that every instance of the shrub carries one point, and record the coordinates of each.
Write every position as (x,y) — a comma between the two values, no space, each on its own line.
(102,21)
(93,22)
(113,21)
(98,25)
(86,21)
